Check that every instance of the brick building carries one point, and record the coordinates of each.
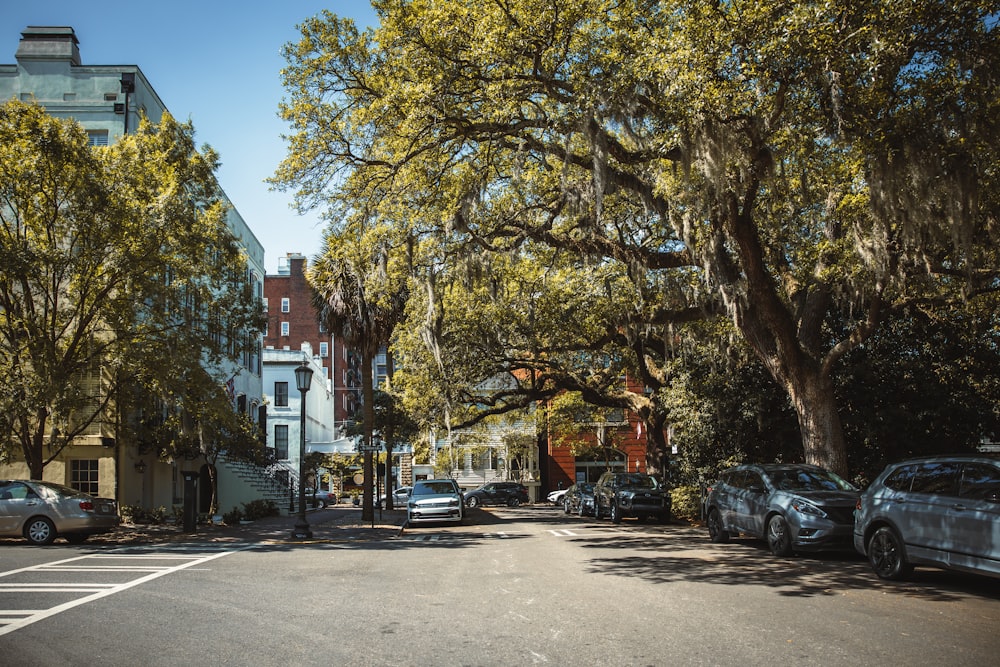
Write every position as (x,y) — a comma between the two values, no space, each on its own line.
(292,320)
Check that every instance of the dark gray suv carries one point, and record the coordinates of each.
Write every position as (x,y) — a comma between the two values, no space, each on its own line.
(794,507)
(621,494)
(941,511)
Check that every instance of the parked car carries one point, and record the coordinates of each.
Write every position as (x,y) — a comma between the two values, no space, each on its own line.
(579,499)
(794,507)
(556,497)
(511,494)
(942,511)
(399,498)
(320,498)
(435,500)
(635,494)
(42,511)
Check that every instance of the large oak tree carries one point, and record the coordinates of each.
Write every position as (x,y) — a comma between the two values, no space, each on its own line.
(802,161)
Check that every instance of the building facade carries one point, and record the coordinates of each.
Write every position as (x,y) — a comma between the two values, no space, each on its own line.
(292,321)
(108,101)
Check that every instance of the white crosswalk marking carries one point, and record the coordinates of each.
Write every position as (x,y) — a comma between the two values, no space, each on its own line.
(37,579)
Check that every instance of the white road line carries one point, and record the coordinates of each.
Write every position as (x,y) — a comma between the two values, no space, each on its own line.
(24,618)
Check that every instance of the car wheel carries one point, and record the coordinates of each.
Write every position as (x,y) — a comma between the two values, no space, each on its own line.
(472,501)
(616,514)
(40,531)
(76,538)
(886,555)
(716,532)
(778,539)
(513,502)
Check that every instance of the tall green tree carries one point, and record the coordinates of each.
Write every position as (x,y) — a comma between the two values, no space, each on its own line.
(357,297)
(803,161)
(117,270)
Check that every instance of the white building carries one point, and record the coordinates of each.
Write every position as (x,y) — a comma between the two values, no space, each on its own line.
(107,100)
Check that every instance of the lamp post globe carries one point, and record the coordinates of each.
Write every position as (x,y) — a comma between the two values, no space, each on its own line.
(303,379)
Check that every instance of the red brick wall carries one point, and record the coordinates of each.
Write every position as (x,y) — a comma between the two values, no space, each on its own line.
(303,324)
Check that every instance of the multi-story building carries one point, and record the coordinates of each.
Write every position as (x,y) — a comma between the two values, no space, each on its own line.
(108,101)
(292,320)
(292,323)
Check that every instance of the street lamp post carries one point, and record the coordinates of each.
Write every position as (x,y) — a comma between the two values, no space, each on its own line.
(303,378)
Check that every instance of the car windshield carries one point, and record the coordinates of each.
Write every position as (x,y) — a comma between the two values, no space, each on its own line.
(804,479)
(433,488)
(639,481)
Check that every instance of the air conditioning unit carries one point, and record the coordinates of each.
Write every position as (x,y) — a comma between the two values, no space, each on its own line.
(119,107)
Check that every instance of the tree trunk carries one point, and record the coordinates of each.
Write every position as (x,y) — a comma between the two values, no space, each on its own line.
(368,407)
(213,480)
(822,433)
(34,450)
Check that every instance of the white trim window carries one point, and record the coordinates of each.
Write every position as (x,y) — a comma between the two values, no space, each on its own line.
(284,328)
(324,350)
(285,305)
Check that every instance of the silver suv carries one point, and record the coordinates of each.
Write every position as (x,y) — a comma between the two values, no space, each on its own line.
(795,507)
(942,511)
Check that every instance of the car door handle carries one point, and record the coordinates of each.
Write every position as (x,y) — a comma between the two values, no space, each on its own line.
(959,507)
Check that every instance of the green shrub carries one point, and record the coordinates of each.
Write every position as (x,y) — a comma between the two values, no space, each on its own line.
(233,517)
(138,514)
(260,509)
(685,502)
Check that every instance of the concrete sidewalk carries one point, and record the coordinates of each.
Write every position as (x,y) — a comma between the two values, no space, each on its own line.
(337,523)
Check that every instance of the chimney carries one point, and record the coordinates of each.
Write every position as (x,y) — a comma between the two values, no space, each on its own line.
(49,43)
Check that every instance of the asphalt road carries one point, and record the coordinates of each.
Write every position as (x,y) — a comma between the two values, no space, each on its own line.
(511,587)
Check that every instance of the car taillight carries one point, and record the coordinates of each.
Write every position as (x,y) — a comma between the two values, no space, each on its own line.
(857,505)
(86,506)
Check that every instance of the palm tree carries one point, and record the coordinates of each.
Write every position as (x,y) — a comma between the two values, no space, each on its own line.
(355,298)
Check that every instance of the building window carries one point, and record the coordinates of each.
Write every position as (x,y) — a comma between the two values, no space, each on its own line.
(281,441)
(84,475)
(97,137)
(265,304)
(284,305)
(284,328)
(281,394)
(324,349)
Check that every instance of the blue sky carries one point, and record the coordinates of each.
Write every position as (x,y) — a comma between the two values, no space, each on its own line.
(216,63)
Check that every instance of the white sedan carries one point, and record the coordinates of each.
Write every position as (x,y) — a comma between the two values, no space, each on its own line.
(399,498)
(556,496)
